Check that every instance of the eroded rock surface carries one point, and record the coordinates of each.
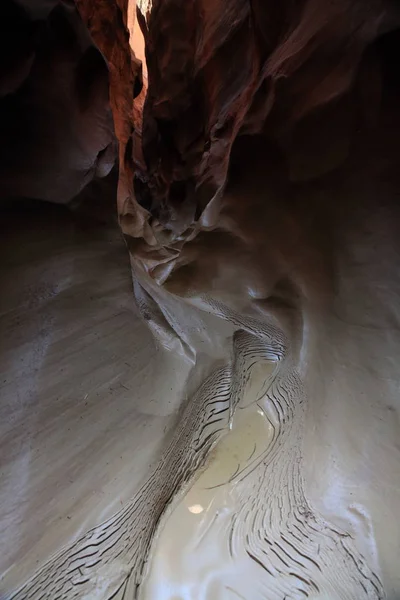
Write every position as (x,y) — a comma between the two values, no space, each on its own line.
(258,200)
(56,126)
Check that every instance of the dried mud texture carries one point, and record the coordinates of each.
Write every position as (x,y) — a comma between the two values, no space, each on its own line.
(271,525)
(295,550)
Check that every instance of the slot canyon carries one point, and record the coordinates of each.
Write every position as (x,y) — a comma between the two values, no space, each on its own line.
(200,300)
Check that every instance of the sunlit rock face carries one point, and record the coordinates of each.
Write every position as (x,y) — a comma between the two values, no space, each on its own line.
(258,201)
(55,121)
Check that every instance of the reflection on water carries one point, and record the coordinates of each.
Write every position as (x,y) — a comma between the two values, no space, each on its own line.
(192,558)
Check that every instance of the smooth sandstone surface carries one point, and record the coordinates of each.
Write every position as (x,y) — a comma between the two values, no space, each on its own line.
(74,446)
